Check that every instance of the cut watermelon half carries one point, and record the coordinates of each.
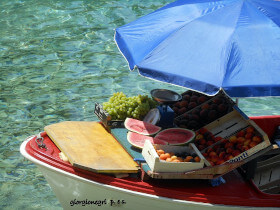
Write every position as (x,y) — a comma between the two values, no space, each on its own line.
(141,127)
(175,136)
(138,140)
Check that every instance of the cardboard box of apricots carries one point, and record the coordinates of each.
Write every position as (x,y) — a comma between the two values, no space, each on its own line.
(193,158)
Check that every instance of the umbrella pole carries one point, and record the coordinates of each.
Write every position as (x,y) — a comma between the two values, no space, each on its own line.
(236,101)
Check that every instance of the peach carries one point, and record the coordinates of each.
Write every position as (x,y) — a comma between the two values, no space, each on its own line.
(228,144)
(245,148)
(239,146)
(247,142)
(218,138)
(209,150)
(233,139)
(236,152)
(241,133)
(257,139)
(240,139)
(211,163)
(224,141)
(209,143)
(229,150)
(214,158)
(248,135)
(252,144)
(228,157)
(250,129)
(216,147)
(222,155)
(220,161)
(212,153)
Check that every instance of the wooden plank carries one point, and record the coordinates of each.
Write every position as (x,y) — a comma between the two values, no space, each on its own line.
(88,145)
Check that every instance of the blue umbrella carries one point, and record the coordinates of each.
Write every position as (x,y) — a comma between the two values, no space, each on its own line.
(208,45)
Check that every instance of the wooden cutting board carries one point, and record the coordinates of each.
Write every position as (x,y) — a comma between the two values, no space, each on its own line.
(88,145)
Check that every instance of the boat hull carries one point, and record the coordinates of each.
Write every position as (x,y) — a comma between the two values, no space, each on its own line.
(79,193)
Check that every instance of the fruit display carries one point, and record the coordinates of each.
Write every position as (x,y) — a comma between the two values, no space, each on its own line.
(141,127)
(180,157)
(196,111)
(120,106)
(218,150)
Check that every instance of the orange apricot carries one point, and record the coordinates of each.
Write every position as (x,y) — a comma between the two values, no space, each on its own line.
(163,157)
(167,155)
(174,157)
(188,158)
(180,159)
(160,151)
(197,159)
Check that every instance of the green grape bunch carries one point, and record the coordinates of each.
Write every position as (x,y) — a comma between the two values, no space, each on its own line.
(120,106)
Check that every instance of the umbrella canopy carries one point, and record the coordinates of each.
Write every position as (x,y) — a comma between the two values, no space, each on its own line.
(208,45)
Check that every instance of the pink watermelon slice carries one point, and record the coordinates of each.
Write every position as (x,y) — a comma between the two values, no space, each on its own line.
(141,127)
(175,136)
(138,140)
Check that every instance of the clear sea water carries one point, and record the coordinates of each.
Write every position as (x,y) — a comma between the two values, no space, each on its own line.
(57,58)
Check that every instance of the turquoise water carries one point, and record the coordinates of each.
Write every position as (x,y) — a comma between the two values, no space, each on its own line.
(57,58)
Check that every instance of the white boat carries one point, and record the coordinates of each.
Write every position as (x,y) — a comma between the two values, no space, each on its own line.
(77,188)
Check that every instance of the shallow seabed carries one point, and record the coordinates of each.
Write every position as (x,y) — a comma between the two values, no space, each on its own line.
(57,58)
